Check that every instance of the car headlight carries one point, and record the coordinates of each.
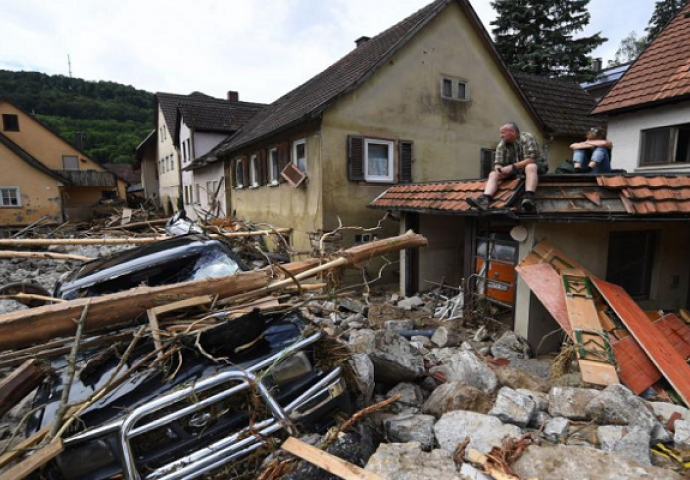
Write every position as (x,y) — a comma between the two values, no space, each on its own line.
(291,369)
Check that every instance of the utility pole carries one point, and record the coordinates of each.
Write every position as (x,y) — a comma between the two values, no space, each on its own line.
(69,66)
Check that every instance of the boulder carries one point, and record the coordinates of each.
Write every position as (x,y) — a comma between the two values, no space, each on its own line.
(570,402)
(444,337)
(633,442)
(682,434)
(541,400)
(394,359)
(556,429)
(456,396)
(539,419)
(617,405)
(398,326)
(510,346)
(466,367)
(516,378)
(362,341)
(513,407)
(484,431)
(410,303)
(363,370)
(411,398)
(665,410)
(410,428)
(422,340)
(565,462)
(407,461)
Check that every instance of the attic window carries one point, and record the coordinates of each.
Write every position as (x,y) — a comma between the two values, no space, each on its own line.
(10,122)
(455,89)
(70,162)
(299,154)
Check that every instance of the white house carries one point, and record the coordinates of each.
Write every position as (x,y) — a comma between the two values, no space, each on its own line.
(649,107)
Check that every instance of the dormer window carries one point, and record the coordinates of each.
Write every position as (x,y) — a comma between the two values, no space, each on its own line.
(10,122)
(455,89)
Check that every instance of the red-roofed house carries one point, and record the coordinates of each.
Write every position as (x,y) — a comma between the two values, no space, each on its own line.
(649,107)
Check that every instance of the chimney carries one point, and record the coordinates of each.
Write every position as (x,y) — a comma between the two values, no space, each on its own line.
(233,96)
(597,65)
(362,40)
(78,142)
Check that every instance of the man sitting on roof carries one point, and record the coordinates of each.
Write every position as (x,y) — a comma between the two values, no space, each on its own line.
(517,154)
(592,155)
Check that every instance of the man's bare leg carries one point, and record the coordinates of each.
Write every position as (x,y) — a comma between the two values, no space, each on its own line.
(532,179)
(492,183)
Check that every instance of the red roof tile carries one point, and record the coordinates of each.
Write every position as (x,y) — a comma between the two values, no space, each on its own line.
(661,73)
(646,195)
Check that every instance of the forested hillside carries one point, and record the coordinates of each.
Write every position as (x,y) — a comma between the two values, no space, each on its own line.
(112,117)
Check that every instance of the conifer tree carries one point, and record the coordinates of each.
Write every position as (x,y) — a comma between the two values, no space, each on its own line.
(538,36)
(664,11)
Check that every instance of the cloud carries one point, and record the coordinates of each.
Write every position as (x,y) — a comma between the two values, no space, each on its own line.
(261,48)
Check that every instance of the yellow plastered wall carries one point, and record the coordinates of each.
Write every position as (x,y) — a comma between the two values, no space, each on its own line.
(40,193)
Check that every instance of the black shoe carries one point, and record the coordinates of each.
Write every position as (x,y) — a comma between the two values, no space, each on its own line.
(528,205)
(481,203)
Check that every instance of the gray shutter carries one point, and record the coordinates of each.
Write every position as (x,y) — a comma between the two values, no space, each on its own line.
(355,158)
(405,161)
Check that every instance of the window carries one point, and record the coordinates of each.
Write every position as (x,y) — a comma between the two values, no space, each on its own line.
(189,149)
(273,167)
(378,161)
(455,89)
(209,193)
(70,162)
(665,145)
(10,122)
(254,171)
(630,261)
(184,152)
(299,154)
(198,194)
(10,197)
(486,161)
(239,173)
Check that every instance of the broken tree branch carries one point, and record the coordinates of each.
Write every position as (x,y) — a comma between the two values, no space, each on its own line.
(44,255)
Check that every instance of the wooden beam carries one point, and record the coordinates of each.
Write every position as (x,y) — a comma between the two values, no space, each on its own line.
(19,449)
(330,463)
(190,302)
(32,463)
(19,384)
(44,255)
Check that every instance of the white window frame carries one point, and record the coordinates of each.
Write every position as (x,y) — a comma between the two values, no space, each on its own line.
(391,161)
(273,159)
(17,193)
(295,144)
(239,166)
(455,89)
(254,171)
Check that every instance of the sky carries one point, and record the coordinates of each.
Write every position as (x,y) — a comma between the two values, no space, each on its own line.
(260,48)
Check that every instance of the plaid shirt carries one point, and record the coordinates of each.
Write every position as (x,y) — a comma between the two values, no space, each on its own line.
(526,147)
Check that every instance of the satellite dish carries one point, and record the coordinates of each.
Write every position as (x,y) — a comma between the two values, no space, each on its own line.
(518,233)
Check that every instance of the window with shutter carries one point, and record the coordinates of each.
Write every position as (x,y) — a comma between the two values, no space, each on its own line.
(254,171)
(239,173)
(273,167)
(405,159)
(486,162)
(299,154)
(355,158)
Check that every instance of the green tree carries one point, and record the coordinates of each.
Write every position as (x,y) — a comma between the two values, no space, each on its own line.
(538,36)
(664,12)
(629,49)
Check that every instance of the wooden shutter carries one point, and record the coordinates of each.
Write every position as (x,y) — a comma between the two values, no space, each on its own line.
(355,158)
(486,162)
(405,161)
(283,158)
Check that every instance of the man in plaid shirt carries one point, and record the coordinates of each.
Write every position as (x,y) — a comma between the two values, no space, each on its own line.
(517,154)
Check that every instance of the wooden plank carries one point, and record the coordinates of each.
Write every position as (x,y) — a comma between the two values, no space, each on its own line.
(606,322)
(478,458)
(598,373)
(19,384)
(190,302)
(685,315)
(671,364)
(557,258)
(677,333)
(21,447)
(34,462)
(330,463)
(636,370)
(155,330)
(545,283)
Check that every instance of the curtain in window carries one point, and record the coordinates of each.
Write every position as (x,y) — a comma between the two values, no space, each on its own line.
(377,160)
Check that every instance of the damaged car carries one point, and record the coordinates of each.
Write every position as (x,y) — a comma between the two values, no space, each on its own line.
(225,392)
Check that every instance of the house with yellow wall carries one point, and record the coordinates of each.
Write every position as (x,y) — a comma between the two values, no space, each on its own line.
(422,101)
(43,175)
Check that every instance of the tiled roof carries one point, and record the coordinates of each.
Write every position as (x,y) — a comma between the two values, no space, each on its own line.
(602,197)
(443,197)
(217,115)
(168,103)
(649,195)
(661,73)
(564,106)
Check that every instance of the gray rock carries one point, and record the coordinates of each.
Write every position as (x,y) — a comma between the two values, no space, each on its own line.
(410,428)
(362,341)
(484,431)
(363,370)
(411,398)
(472,473)
(510,346)
(407,461)
(456,396)
(466,367)
(422,340)
(9,306)
(410,303)
(57,249)
(570,402)
(540,399)
(441,355)
(538,367)
(556,429)
(352,321)
(444,338)
(665,410)
(633,442)
(513,407)
(516,378)
(617,405)
(539,419)
(351,305)
(682,434)
(394,359)
(481,334)
(484,351)
(579,463)
(399,325)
